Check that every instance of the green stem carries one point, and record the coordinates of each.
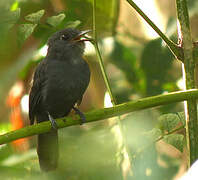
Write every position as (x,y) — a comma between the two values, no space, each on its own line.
(104,74)
(176,50)
(189,68)
(171,132)
(113,100)
(101,114)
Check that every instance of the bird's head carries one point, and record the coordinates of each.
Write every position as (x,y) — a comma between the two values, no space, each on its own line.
(69,38)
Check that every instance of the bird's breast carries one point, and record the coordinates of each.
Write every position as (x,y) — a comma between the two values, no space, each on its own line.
(64,86)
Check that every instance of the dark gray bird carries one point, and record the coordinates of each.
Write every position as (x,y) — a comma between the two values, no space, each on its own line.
(59,82)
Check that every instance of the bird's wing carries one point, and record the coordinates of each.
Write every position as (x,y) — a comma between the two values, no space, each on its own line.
(35,92)
(85,82)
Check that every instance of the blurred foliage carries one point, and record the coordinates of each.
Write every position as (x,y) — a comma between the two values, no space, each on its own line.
(160,59)
(137,67)
(144,155)
(125,60)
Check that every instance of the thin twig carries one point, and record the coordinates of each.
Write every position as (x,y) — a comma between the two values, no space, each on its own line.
(95,43)
(113,100)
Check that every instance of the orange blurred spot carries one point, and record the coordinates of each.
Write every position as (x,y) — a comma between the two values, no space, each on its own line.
(17,123)
(15,94)
(16,119)
(13,101)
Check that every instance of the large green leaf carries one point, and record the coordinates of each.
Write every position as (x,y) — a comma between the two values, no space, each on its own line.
(56,20)
(176,140)
(156,63)
(169,121)
(181,116)
(24,31)
(153,134)
(35,17)
(106,14)
(125,60)
(8,19)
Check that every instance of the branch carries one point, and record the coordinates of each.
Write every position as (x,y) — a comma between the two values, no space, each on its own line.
(184,33)
(175,49)
(101,114)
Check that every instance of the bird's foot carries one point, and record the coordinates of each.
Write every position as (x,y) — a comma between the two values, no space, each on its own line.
(82,116)
(53,122)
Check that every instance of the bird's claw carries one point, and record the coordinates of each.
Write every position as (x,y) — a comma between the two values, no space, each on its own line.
(53,122)
(82,116)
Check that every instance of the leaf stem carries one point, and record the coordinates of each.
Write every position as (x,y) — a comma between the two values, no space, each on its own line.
(168,133)
(158,139)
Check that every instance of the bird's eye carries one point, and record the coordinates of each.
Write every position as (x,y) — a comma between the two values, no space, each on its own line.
(63,37)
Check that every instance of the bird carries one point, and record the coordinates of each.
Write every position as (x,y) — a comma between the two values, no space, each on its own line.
(58,84)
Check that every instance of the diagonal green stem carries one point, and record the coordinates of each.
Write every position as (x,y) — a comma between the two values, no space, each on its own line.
(176,50)
(113,100)
(99,55)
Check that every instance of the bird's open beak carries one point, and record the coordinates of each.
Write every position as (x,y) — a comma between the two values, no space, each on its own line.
(82,36)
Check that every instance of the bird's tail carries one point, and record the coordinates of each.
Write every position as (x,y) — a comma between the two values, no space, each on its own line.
(48,150)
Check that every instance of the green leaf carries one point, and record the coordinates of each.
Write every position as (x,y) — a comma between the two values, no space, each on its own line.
(73,24)
(55,20)
(8,19)
(154,134)
(124,59)
(176,140)
(181,116)
(35,17)
(107,13)
(169,121)
(24,31)
(156,63)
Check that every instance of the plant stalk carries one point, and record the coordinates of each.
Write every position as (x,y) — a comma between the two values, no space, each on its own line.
(185,39)
(104,74)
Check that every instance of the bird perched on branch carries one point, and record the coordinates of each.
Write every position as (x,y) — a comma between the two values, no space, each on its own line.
(59,82)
